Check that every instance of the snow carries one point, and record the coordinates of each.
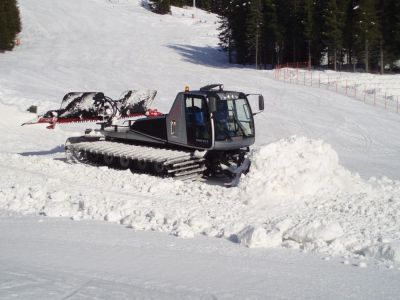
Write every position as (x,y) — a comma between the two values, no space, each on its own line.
(274,205)
(324,177)
(54,258)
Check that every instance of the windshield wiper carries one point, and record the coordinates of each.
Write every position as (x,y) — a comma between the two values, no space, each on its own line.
(239,123)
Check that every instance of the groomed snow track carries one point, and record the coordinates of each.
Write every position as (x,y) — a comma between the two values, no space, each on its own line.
(160,162)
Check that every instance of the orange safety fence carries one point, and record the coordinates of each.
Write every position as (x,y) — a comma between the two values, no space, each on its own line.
(371,93)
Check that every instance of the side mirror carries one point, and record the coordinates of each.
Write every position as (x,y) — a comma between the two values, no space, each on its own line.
(261,102)
(212,104)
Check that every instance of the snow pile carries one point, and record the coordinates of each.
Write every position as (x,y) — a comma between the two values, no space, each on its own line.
(293,169)
(296,195)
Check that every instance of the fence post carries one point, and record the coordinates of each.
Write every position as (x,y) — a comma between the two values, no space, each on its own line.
(319,80)
(365,92)
(385,101)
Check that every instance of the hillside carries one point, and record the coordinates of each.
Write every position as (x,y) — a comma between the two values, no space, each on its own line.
(325,167)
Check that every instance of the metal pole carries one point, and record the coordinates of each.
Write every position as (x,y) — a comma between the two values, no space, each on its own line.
(257,50)
(257,46)
(194,3)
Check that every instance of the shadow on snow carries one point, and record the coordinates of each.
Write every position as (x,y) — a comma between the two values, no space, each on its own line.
(208,56)
(55,150)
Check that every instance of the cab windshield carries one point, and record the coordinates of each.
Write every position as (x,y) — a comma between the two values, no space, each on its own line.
(233,118)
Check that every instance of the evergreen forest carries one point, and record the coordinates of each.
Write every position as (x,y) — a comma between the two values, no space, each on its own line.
(340,34)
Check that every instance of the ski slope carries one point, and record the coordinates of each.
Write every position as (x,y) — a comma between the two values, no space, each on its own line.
(324,177)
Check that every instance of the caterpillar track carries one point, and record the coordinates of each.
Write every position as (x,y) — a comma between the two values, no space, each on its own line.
(182,165)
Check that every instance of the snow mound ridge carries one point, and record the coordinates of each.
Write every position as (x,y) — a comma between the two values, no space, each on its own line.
(296,195)
(294,168)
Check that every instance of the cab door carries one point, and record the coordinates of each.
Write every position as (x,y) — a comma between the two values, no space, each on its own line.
(198,124)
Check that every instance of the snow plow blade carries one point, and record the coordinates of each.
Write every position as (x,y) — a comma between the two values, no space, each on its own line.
(237,172)
(79,107)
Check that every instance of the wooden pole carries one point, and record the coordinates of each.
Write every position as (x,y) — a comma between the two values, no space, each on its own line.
(385,101)
(374,97)
(365,92)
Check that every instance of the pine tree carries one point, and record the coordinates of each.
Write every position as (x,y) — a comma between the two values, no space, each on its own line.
(252,31)
(389,19)
(332,34)
(236,12)
(368,30)
(10,24)
(349,29)
(204,4)
(161,7)
(225,36)
(308,22)
(270,36)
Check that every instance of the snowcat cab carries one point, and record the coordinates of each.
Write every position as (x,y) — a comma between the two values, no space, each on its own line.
(211,119)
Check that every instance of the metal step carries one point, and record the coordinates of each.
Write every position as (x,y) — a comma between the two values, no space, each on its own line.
(186,167)
(194,176)
(197,170)
(198,160)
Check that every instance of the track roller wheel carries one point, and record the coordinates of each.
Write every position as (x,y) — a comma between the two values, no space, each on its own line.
(80,155)
(108,159)
(159,169)
(93,157)
(141,166)
(124,163)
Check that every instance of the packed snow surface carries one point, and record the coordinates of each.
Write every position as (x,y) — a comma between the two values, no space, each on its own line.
(296,195)
(303,190)
(54,258)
